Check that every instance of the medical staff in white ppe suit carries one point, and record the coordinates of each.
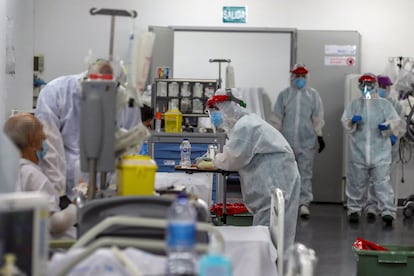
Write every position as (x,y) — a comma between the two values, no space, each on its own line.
(26,132)
(58,108)
(370,121)
(298,115)
(261,156)
(384,90)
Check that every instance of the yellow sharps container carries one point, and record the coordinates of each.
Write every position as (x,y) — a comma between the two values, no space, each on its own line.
(136,175)
(173,120)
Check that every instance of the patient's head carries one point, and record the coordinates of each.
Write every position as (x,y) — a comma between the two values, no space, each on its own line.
(26,132)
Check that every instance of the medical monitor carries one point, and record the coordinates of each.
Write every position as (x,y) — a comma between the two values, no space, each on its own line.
(24,230)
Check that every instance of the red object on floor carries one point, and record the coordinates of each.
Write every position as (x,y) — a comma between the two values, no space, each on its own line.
(362,244)
(231,208)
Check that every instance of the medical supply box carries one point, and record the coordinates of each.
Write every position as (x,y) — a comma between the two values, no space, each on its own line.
(236,214)
(136,175)
(397,260)
(173,120)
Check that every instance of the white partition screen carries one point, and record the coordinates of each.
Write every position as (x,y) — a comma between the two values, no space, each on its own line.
(260,58)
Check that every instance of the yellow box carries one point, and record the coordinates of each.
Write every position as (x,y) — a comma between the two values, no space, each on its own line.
(136,175)
(173,120)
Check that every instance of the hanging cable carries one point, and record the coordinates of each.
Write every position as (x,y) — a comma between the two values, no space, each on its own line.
(405,154)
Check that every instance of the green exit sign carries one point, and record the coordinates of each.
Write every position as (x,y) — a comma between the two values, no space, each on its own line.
(233,14)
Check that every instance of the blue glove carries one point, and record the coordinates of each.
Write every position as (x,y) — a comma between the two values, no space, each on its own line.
(383,127)
(356,119)
(393,139)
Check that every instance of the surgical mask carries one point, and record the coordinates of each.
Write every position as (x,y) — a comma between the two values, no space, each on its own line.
(382,92)
(216,118)
(299,83)
(41,153)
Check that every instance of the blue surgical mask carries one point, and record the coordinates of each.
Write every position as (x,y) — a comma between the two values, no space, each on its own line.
(382,92)
(216,118)
(299,82)
(41,153)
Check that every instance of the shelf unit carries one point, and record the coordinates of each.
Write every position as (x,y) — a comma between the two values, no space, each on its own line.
(188,95)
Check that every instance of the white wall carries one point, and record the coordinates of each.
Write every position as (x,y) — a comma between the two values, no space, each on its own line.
(2,61)
(16,21)
(64,30)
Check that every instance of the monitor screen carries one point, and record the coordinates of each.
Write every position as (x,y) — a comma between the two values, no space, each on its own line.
(16,237)
(23,231)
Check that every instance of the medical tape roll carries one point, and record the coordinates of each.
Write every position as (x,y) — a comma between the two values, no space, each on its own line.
(230,82)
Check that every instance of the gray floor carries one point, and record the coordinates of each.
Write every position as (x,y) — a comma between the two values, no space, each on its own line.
(330,234)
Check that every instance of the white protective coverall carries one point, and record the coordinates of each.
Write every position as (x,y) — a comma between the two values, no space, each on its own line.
(298,115)
(370,152)
(371,204)
(58,108)
(264,161)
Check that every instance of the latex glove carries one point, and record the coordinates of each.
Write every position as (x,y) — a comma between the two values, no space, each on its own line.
(356,119)
(393,139)
(383,127)
(321,144)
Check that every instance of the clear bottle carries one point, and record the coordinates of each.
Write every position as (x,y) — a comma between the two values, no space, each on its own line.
(158,117)
(214,263)
(181,233)
(185,149)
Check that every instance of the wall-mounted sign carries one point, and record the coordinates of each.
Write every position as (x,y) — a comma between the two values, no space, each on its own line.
(233,14)
(340,60)
(341,50)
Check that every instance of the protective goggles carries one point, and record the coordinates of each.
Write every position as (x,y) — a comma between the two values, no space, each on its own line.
(213,101)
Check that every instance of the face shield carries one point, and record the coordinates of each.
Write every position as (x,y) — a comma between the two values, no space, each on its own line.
(298,76)
(101,69)
(223,109)
(367,85)
(367,89)
(213,101)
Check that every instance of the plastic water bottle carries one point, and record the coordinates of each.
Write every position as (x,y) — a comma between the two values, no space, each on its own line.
(214,263)
(185,149)
(181,235)
(158,117)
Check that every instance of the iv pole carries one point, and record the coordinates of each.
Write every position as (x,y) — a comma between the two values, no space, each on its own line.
(219,61)
(112,13)
(93,160)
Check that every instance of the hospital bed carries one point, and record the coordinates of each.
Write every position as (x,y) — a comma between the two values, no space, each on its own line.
(117,222)
(90,244)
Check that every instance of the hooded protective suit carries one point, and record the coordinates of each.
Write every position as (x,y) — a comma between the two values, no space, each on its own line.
(58,108)
(264,161)
(370,152)
(298,115)
(384,92)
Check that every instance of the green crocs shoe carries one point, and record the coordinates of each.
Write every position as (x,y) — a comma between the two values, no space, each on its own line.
(388,219)
(353,217)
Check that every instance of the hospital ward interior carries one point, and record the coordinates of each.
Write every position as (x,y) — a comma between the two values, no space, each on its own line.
(225,138)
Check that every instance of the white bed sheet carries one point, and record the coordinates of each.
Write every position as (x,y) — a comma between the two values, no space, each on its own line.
(250,250)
